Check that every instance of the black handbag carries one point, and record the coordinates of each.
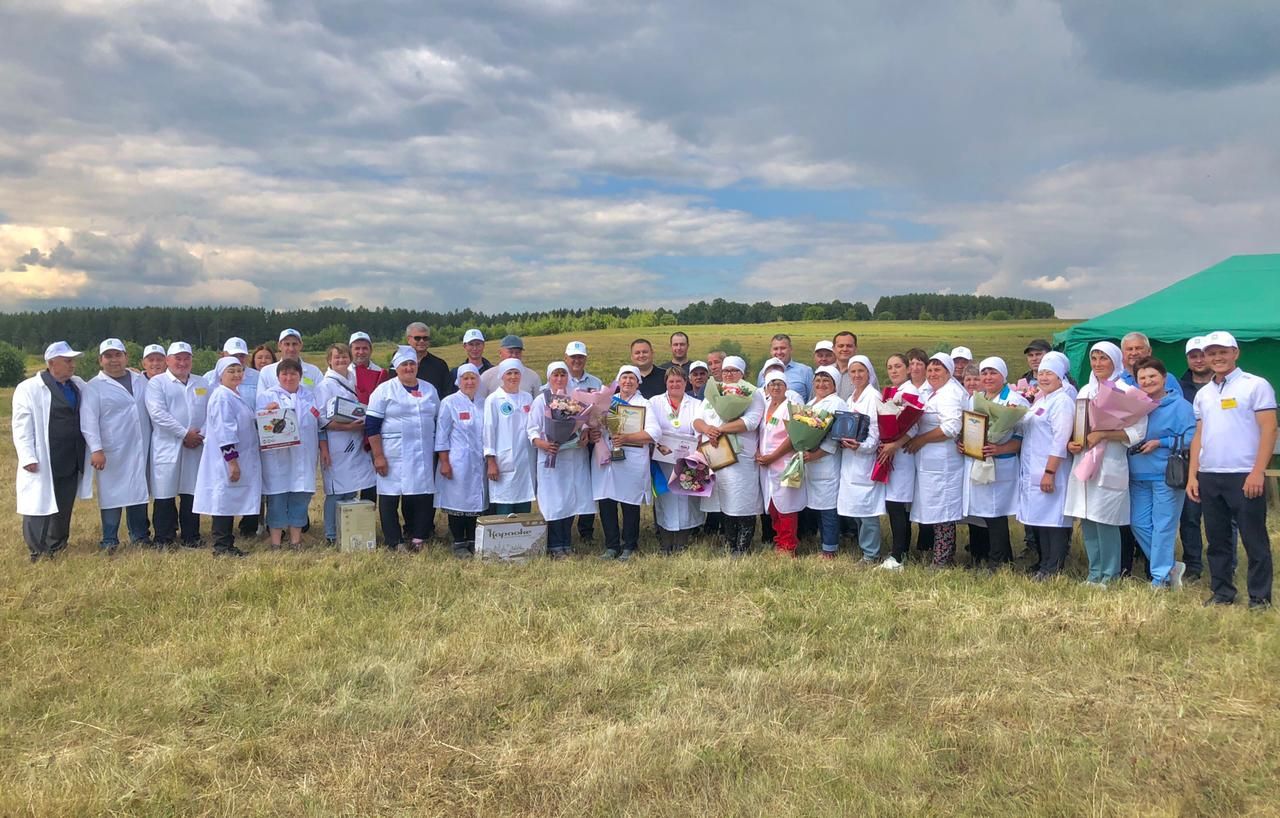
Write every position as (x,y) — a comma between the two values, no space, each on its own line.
(1177,466)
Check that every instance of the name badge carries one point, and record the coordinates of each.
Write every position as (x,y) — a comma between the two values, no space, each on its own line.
(464,416)
(773,421)
(201,392)
(1040,411)
(1229,403)
(526,408)
(416,393)
(309,381)
(315,412)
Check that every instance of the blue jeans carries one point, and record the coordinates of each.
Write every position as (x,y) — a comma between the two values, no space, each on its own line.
(1154,513)
(868,529)
(288,509)
(136,517)
(1102,544)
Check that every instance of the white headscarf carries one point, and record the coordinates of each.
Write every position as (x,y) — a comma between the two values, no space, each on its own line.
(871,369)
(403,354)
(1057,363)
(944,359)
(997,364)
(734,362)
(508,364)
(828,370)
(774,376)
(463,369)
(1117,360)
(222,364)
(628,369)
(553,366)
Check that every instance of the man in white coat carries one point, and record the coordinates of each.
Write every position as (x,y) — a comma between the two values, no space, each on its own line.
(290,343)
(52,470)
(117,432)
(176,403)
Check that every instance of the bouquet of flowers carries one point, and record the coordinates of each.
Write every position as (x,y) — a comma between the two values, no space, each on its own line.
(562,422)
(692,476)
(1000,428)
(1028,389)
(730,400)
(806,429)
(596,406)
(898,412)
(1112,410)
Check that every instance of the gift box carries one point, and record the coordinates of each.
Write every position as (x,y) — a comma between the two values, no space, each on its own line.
(357,525)
(344,410)
(850,426)
(277,429)
(515,538)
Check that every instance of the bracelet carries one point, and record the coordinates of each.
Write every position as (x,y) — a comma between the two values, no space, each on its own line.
(1051,471)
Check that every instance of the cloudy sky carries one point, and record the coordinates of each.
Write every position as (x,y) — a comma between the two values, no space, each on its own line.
(519,155)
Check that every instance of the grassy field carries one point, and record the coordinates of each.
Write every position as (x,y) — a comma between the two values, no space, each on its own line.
(321,684)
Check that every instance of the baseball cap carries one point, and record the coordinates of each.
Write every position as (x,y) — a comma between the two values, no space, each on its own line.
(575,348)
(359,336)
(1220,338)
(152,349)
(512,342)
(111,343)
(962,352)
(289,332)
(59,349)
(772,362)
(1038,345)
(1195,343)
(235,346)
(699,365)
(827,345)
(179,346)
(472,335)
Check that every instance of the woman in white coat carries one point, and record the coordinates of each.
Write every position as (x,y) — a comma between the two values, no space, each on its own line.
(229,480)
(289,473)
(1043,462)
(940,468)
(861,497)
(1101,503)
(901,488)
(176,401)
(736,494)
(993,500)
(117,434)
(563,490)
(822,465)
(460,480)
(346,466)
(775,452)
(401,426)
(621,487)
(508,454)
(675,410)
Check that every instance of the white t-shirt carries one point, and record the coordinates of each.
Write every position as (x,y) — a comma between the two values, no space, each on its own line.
(1229,433)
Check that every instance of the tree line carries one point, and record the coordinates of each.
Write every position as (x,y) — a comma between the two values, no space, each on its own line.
(938,307)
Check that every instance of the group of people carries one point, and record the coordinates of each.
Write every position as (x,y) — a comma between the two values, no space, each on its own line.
(482,438)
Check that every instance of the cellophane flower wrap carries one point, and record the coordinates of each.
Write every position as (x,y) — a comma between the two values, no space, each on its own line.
(563,419)
(691,476)
(1111,410)
(1000,428)
(1030,390)
(730,401)
(806,429)
(898,412)
(596,405)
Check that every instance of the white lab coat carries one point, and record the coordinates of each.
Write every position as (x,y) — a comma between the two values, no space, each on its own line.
(116,423)
(737,488)
(628,481)
(1105,497)
(491,384)
(822,476)
(901,487)
(292,468)
(940,468)
(351,464)
(860,496)
(676,512)
(408,436)
(31,402)
(267,379)
(230,421)
(1046,429)
(460,432)
(506,438)
(174,408)
(1000,497)
(773,433)
(564,491)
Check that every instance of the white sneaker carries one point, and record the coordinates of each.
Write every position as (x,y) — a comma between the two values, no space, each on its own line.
(1175,576)
(889,564)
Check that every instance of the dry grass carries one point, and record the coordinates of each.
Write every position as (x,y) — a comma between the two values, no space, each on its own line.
(321,684)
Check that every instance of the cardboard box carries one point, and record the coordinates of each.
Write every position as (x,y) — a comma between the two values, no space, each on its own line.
(357,525)
(278,428)
(344,410)
(511,538)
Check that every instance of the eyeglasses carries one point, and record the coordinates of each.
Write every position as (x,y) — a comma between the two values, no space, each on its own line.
(421,337)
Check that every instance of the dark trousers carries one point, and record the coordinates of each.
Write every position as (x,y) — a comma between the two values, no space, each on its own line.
(738,532)
(170,513)
(899,528)
(223,538)
(991,543)
(924,537)
(48,533)
(766,529)
(418,511)
(1128,549)
(586,527)
(1193,544)
(624,537)
(1223,502)
(1054,544)
(808,523)
(463,529)
(249,525)
(712,525)
(559,535)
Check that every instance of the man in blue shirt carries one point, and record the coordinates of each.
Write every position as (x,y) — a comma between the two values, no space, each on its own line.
(799,377)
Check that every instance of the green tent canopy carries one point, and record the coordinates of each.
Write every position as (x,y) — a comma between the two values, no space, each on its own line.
(1240,295)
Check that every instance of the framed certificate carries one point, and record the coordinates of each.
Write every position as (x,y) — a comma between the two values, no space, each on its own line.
(671,448)
(630,420)
(973,434)
(720,453)
(1080,429)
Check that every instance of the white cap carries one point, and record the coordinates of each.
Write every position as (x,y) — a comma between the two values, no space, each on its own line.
(733,362)
(291,331)
(946,360)
(774,376)
(465,369)
(235,346)
(1220,338)
(403,353)
(507,364)
(962,352)
(628,369)
(1055,362)
(828,370)
(997,364)
(112,343)
(575,348)
(153,349)
(359,336)
(179,346)
(59,349)
(771,362)
(553,366)
(699,365)
(472,335)
(1195,343)
(827,345)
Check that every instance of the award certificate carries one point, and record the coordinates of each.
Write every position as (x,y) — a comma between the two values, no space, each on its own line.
(973,434)
(1080,429)
(719,454)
